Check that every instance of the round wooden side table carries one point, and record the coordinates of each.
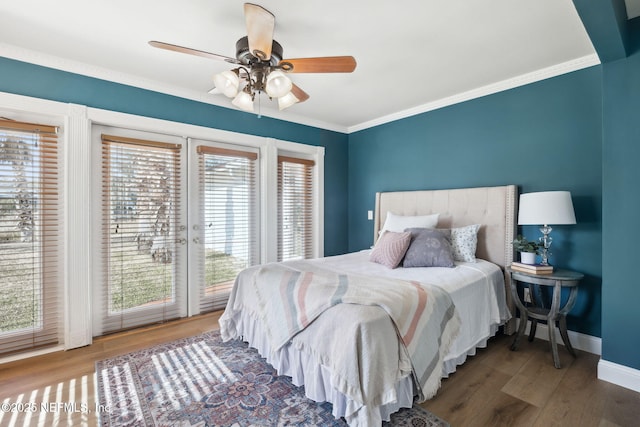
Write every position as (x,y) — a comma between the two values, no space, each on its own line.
(554,315)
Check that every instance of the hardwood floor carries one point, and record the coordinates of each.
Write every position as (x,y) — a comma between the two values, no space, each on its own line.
(499,387)
(495,387)
(68,376)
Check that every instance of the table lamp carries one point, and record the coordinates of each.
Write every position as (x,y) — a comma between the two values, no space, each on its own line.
(544,208)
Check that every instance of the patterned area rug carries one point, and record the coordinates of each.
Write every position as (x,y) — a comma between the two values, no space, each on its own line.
(201,381)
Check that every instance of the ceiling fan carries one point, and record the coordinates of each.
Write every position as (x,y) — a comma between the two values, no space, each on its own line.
(261,67)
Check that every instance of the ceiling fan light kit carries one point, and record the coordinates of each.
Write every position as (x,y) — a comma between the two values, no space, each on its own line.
(244,100)
(227,82)
(261,67)
(287,101)
(278,84)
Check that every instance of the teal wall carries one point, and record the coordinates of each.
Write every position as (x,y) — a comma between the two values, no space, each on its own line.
(46,83)
(578,132)
(607,25)
(543,136)
(621,205)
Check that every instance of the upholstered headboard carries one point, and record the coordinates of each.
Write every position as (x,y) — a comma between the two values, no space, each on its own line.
(494,208)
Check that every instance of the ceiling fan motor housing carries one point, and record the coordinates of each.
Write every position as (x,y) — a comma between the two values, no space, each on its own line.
(246,57)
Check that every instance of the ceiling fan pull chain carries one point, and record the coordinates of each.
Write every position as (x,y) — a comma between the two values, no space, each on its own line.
(259,105)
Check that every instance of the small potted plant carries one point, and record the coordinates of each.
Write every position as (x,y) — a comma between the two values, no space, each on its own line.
(528,249)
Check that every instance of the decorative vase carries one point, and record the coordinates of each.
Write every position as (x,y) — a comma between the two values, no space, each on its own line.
(528,257)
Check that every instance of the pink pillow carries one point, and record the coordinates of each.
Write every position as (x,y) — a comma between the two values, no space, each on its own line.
(390,248)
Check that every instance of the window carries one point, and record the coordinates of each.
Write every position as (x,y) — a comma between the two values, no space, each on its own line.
(228,219)
(30,236)
(295,208)
(142,235)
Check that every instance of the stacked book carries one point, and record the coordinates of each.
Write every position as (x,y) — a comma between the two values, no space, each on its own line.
(532,268)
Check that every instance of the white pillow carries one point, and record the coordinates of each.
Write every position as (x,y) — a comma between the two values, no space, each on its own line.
(464,241)
(399,223)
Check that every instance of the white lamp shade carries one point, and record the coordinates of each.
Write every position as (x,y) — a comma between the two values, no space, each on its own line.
(277,84)
(227,82)
(243,101)
(546,208)
(287,101)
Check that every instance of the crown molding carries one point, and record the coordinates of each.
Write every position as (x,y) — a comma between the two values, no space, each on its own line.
(524,79)
(46,60)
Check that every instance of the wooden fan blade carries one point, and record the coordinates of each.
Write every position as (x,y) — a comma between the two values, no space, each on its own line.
(188,50)
(299,93)
(326,64)
(260,25)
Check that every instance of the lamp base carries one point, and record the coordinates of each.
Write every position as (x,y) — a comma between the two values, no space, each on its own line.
(546,244)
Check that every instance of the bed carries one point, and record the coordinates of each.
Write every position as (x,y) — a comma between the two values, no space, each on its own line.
(355,352)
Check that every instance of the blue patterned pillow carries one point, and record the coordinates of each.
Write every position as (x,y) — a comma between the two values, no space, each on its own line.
(429,248)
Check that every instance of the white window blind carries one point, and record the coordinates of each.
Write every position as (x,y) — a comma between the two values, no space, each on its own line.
(30,236)
(228,195)
(295,208)
(141,184)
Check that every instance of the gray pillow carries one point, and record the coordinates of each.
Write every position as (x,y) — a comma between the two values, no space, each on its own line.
(429,248)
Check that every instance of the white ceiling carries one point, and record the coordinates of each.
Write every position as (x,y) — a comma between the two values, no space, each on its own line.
(413,56)
(633,8)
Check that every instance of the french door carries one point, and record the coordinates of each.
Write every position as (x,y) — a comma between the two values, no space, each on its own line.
(141,229)
(223,219)
(178,219)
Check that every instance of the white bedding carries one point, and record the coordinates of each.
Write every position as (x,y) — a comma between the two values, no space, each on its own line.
(382,367)
(477,290)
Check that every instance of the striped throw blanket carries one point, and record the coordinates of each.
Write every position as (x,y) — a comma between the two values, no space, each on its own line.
(290,298)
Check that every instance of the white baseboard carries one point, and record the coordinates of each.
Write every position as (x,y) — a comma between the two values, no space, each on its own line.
(579,341)
(31,353)
(621,375)
(614,373)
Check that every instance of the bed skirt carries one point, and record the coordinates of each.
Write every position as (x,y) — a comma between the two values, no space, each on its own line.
(304,370)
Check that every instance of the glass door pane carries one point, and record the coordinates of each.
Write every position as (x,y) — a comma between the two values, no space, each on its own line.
(30,236)
(225,223)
